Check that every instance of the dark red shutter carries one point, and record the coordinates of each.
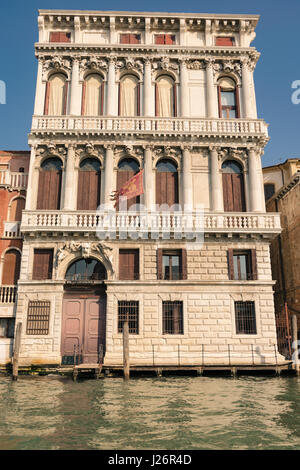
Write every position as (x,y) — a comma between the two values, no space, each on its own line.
(159,39)
(254,265)
(88,193)
(49,190)
(159,263)
(42,264)
(11,268)
(169,39)
(47,95)
(124,38)
(55,37)
(224,41)
(230,264)
(60,36)
(183,264)
(237,102)
(128,264)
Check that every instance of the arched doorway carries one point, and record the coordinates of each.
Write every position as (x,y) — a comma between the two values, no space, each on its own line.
(233,187)
(84,311)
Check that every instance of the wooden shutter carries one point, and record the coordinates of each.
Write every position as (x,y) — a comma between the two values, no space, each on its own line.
(237,102)
(233,192)
(169,39)
(49,190)
(42,264)
(122,177)
(60,36)
(17,207)
(54,37)
(134,38)
(11,268)
(47,95)
(183,264)
(128,264)
(124,38)
(224,41)
(230,264)
(159,39)
(159,263)
(220,102)
(88,193)
(253,265)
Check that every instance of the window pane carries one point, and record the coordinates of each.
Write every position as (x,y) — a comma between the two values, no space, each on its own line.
(227,98)
(175,267)
(166,267)
(232,113)
(243,267)
(235,267)
(3,327)
(11,327)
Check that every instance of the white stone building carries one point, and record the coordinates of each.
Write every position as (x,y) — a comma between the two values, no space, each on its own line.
(172,94)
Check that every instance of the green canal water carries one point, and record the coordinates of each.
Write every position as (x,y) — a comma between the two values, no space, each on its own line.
(166,413)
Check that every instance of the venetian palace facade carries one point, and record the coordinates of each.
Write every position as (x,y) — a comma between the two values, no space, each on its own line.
(172,95)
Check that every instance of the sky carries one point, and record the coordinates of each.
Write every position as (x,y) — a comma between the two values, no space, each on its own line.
(277,39)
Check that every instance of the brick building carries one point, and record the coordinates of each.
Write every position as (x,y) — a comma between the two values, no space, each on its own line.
(172,95)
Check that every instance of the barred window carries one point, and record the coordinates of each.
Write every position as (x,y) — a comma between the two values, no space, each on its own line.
(173,318)
(128,310)
(245,318)
(38,318)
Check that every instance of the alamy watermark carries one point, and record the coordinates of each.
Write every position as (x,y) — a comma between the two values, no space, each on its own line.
(296,94)
(2,92)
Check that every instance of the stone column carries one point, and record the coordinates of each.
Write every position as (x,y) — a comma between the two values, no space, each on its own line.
(148,179)
(187,180)
(29,193)
(70,197)
(184,102)
(211,92)
(40,92)
(216,182)
(249,112)
(182,32)
(111,88)
(254,181)
(148,105)
(108,176)
(75,93)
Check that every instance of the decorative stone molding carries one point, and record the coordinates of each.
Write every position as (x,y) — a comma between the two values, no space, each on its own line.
(92,64)
(89,150)
(196,65)
(55,64)
(86,250)
(129,63)
(51,150)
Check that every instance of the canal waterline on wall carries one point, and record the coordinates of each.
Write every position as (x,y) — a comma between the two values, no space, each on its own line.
(150,413)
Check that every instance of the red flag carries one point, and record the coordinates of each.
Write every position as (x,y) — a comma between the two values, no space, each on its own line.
(132,188)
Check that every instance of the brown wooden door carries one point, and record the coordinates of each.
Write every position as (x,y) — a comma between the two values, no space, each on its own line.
(49,190)
(11,268)
(83,326)
(88,195)
(166,188)
(233,192)
(17,206)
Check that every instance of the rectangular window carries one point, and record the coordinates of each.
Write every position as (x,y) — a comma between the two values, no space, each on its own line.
(128,310)
(7,327)
(38,317)
(42,264)
(165,39)
(224,41)
(172,265)
(242,265)
(60,36)
(245,319)
(130,38)
(172,318)
(129,265)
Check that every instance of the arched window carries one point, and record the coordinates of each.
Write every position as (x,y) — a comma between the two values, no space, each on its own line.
(129,96)
(56,95)
(49,189)
(165,97)
(89,182)
(166,183)
(92,96)
(228,98)
(86,269)
(269,190)
(11,268)
(127,168)
(17,206)
(233,187)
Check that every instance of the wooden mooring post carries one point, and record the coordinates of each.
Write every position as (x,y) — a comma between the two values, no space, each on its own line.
(17,344)
(295,344)
(126,364)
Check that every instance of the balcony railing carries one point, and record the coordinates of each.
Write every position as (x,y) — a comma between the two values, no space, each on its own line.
(13,179)
(157,222)
(12,229)
(151,125)
(8,294)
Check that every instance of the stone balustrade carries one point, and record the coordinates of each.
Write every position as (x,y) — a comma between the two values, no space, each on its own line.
(157,222)
(151,125)
(14,180)
(8,294)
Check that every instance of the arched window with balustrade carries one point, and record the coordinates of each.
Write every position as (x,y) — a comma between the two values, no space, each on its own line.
(89,184)
(56,95)
(49,188)
(233,186)
(167,182)
(228,98)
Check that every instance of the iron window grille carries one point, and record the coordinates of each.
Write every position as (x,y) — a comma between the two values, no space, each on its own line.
(245,318)
(172,318)
(38,318)
(128,310)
